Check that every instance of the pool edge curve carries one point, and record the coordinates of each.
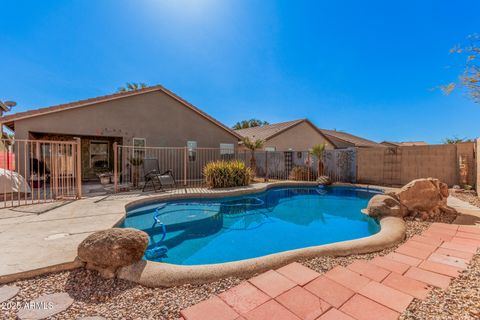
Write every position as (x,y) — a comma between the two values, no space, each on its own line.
(158,274)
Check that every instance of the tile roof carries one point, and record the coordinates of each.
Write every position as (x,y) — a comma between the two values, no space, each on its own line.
(338,138)
(268,131)
(86,102)
(350,138)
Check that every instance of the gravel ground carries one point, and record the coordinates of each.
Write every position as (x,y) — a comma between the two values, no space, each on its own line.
(461,301)
(323,264)
(471,198)
(116,299)
(119,299)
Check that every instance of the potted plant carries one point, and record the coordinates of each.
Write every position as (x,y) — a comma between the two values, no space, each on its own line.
(105,177)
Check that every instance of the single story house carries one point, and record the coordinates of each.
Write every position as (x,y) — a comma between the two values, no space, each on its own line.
(302,135)
(153,116)
(295,135)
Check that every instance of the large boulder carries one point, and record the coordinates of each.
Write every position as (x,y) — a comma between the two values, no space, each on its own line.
(385,205)
(423,195)
(108,250)
(420,198)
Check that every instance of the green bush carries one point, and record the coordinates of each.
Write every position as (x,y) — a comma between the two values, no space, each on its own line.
(225,174)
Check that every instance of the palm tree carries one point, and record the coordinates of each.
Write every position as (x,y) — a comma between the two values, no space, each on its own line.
(252,145)
(132,86)
(244,124)
(455,140)
(317,151)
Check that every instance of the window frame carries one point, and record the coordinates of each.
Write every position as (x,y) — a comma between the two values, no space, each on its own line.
(192,150)
(144,142)
(139,151)
(224,150)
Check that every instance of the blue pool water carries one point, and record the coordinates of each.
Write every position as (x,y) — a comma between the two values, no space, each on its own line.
(205,231)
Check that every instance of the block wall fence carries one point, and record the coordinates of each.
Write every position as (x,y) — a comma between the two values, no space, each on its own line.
(454,164)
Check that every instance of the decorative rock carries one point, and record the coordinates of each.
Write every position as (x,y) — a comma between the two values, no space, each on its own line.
(45,306)
(385,205)
(423,194)
(420,198)
(324,180)
(8,292)
(92,318)
(106,251)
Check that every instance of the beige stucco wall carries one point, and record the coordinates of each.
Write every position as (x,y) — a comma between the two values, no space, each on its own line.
(377,166)
(301,137)
(159,118)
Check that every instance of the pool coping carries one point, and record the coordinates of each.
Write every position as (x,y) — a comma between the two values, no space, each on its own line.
(159,274)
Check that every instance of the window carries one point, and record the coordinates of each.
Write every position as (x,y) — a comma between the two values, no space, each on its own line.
(139,145)
(99,155)
(227,151)
(227,148)
(139,142)
(192,150)
(270,149)
(299,154)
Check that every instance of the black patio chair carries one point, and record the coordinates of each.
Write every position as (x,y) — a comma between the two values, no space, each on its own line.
(152,175)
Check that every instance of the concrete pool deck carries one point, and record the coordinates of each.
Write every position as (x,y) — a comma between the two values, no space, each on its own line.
(34,244)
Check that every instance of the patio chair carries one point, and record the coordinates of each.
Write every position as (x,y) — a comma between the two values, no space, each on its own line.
(152,175)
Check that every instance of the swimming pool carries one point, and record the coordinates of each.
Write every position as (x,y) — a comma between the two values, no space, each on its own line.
(218,230)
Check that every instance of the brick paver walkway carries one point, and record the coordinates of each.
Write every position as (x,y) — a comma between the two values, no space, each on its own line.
(381,288)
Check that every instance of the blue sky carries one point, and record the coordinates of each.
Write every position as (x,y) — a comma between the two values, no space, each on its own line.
(366,67)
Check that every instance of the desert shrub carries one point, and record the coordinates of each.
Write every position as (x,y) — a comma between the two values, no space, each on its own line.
(299,174)
(225,174)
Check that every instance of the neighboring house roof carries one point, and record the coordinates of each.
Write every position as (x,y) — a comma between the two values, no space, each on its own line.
(336,138)
(343,139)
(269,131)
(404,143)
(9,119)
